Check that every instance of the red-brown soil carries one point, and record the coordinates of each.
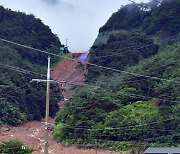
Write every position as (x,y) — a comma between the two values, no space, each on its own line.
(32,133)
(72,72)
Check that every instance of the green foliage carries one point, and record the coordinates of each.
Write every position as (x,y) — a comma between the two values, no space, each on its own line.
(127,17)
(62,57)
(122,50)
(124,110)
(131,28)
(163,65)
(132,16)
(14,147)
(93,111)
(21,100)
(138,113)
(10,114)
(27,30)
(59,132)
(165,14)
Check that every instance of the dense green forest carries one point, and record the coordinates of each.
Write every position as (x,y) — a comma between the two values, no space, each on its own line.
(159,20)
(122,50)
(21,100)
(135,104)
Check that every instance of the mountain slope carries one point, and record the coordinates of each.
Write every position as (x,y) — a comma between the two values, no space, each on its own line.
(133,103)
(124,101)
(163,19)
(21,100)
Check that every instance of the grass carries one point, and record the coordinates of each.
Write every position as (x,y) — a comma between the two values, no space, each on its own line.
(62,56)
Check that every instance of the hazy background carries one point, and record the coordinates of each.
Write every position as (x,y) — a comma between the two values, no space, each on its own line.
(77,20)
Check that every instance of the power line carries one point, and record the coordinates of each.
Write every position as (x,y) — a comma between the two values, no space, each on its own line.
(78,84)
(148,97)
(152,129)
(118,134)
(109,128)
(110,55)
(125,82)
(133,95)
(121,93)
(119,128)
(28,47)
(134,74)
(147,139)
(107,141)
(80,108)
(103,67)
(102,82)
(20,70)
(116,54)
(7,92)
(103,141)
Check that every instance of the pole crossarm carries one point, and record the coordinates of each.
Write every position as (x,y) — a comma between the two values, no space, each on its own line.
(51,81)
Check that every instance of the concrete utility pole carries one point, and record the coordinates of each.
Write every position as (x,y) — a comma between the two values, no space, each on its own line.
(48,81)
(47,105)
(47,108)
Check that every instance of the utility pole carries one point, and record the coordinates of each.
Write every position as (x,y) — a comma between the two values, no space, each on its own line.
(47,105)
(96,145)
(48,81)
(47,108)
(66,42)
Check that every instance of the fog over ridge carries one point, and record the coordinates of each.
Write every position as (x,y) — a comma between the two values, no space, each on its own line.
(77,20)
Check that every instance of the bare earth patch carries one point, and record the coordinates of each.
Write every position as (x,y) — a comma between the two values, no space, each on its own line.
(32,133)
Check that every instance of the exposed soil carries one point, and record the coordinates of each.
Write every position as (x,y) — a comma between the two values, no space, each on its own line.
(32,133)
(71,71)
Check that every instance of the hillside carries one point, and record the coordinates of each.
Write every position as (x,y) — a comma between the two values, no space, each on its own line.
(31,133)
(132,100)
(159,18)
(21,100)
(131,28)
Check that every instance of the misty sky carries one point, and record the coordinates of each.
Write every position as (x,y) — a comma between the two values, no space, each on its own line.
(77,20)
